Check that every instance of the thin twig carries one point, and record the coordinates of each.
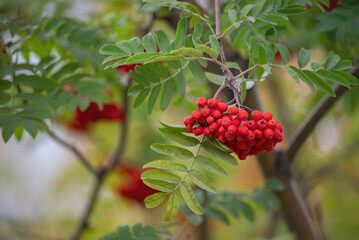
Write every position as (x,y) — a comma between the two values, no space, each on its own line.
(244,72)
(219,90)
(74,150)
(102,173)
(215,61)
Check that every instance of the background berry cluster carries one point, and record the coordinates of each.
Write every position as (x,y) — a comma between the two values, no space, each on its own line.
(232,127)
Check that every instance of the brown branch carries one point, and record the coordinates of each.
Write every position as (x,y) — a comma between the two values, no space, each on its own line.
(102,172)
(74,150)
(293,205)
(307,126)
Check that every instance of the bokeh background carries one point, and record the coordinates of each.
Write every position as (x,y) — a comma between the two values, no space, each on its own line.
(43,189)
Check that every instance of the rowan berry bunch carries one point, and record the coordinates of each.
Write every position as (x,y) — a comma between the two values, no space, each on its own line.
(231,127)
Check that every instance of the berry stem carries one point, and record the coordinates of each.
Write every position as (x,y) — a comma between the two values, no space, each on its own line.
(244,72)
(243,106)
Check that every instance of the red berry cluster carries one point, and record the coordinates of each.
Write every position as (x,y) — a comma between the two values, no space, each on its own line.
(131,185)
(232,128)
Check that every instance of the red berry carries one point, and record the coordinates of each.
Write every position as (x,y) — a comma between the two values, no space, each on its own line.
(221,106)
(219,122)
(202,121)
(243,115)
(210,120)
(186,121)
(236,121)
(259,148)
(277,135)
(213,127)
(201,102)
(243,131)
(258,133)
(240,145)
(216,114)
(212,103)
(216,133)
(268,133)
(251,125)
(207,132)
(197,115)
(257,115)
(263,139)
(239,138)
(226,122)
(206,112)
(242,156)
(272,124)
(232,129)
(221,139)
(262,124)
(268,148)
(250,136)
(221,130)
(198,130)
(267,116)
(251,143)
(228,136)
(233,110)
(279,127)
(190,128)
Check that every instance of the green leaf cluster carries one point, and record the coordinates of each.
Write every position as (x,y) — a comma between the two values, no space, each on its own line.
(174,178)
(137,231)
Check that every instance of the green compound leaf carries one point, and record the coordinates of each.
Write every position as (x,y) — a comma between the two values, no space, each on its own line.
(149,43)
(166,165)
(350,78)
(201,180)
(141,57)
(210,51)
(167,92)
(320,83)
(155,200)
(304,77)
(159,185)
(331,61)
(179,137)
(333,77)
(289,70)
(161,175)
(214,43)
(187,51)
(152,99)
(304,57)
(247,211)
(284,53)
(172,150)
(172,206)
(181,84)
(210,165)
(197,34)
(141,97)
(217,213)
(174,127)
(110,49)
(220,154)
(196,71)
(190,199)
(214,78)
(36,82)
(181,33)
(124,233)
(163,41)
(293,10)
